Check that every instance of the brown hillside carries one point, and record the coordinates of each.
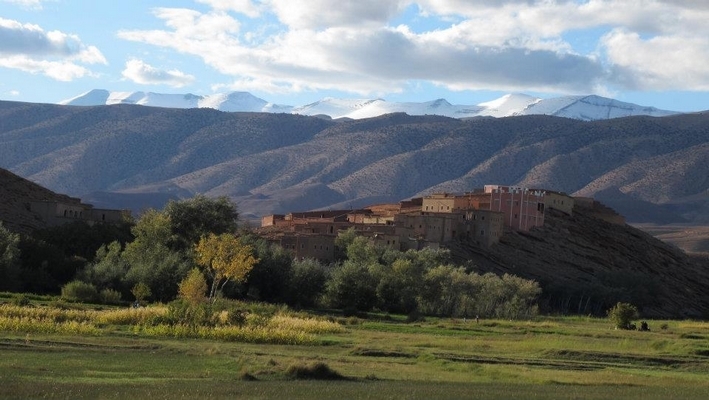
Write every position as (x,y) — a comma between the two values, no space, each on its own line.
(16,193)
(585,265)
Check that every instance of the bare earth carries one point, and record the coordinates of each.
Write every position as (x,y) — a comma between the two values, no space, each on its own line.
(690,238)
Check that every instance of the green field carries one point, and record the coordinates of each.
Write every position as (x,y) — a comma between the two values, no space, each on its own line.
(378,356)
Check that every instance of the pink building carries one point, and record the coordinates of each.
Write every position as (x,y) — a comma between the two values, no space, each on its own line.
(523,208)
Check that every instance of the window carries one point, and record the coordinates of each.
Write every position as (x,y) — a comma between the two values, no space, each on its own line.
(482,232)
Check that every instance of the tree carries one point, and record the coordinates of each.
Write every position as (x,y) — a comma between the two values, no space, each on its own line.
(622,314)
(191,219)
(344,239)
(306,284)
(109,267)
(268,280)
(82,239)
(224,258)
(9,259)
(352,286)
(193,288)
(363,251)
(151,260)
(141,291)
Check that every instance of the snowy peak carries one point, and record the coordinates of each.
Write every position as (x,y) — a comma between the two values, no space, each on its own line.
(90,98)
(235,101)
(588,108)
(591,108)
(508,105)
(336,108)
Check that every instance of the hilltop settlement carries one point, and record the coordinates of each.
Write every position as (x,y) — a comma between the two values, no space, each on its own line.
(479,217)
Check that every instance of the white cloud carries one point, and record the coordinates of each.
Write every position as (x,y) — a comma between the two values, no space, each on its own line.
(29,48)
(659,63)
(59,70)
(497,45)
(140,72)
(14,93)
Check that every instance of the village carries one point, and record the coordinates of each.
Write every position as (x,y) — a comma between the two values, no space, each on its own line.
(479,217)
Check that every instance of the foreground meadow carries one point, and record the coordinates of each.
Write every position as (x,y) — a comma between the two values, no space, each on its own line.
(52,351)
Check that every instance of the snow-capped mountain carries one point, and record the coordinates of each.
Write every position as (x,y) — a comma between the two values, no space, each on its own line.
(588,108)
(235,101)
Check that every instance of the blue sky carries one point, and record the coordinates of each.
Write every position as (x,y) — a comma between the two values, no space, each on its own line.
(294,52)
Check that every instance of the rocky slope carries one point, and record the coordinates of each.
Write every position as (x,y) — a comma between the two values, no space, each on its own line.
(585,265)
(16,193)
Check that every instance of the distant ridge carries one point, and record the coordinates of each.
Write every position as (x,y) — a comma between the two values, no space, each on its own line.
(587,108)
(648,169)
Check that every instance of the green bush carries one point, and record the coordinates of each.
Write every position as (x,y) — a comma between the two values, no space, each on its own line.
(622,315)
(316,371)
(182,312)
(110,296)
(20,300)
(79,291)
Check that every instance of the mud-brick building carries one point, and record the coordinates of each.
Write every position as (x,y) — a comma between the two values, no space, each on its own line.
(431,229)
(558,201)
(56,213)
(317,222)
(449,202)
(304,245)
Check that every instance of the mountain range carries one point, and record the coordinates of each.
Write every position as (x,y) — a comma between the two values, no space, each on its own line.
(649,169)
(586,108)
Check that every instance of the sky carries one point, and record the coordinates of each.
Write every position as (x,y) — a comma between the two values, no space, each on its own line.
(295,52)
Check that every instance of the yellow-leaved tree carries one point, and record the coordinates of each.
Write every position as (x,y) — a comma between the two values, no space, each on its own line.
(224,258)
(193,288)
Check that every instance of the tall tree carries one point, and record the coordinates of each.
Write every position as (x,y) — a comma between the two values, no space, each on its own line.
(224,258)
(191,219)
(151,260)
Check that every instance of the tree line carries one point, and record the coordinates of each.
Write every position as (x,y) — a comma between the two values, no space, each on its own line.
(196,246)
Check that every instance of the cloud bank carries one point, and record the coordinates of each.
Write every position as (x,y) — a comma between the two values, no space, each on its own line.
(376,47)
(357,46)
(55,54)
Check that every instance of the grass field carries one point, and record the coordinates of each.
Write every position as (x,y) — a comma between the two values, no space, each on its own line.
(373,357)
